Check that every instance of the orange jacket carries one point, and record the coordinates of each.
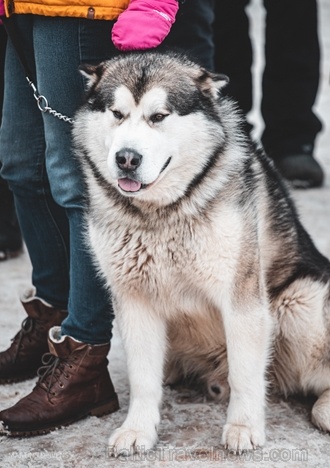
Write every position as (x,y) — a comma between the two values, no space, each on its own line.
(93,9)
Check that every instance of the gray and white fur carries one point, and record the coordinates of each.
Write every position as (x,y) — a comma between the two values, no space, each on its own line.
(211,272)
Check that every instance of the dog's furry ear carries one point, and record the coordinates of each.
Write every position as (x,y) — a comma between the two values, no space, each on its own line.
(211,83)
(92,73)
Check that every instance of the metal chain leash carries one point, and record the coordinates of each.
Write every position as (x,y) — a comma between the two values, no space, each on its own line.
(43,106)
(15,38)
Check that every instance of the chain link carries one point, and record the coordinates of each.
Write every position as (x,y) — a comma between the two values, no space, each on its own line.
(43,106)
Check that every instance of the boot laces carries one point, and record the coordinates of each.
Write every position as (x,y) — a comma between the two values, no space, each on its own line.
(51,371)
(26,328)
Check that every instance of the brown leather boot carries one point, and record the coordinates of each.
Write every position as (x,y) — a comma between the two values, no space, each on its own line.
(73,383)
(23,358)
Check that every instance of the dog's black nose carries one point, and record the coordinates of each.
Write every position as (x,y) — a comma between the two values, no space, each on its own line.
(128,159)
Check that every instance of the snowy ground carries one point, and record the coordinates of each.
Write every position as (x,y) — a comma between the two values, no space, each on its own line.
(189,431)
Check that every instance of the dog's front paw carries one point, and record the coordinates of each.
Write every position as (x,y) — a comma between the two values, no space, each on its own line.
(238,438)
(125,441)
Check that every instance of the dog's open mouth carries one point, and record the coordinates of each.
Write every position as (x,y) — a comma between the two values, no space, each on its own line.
(131,185)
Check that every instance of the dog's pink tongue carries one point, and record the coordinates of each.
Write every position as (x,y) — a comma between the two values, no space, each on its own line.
(129,185)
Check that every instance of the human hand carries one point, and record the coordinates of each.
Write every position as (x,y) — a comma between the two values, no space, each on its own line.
(144,24)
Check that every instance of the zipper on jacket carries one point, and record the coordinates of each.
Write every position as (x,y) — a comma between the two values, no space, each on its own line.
(10,7)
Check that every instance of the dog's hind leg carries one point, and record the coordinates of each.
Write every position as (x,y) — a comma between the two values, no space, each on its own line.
(302,350)
(248,335)
(144,338)
(321,412)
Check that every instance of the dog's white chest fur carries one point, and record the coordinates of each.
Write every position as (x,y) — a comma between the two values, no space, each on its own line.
(169,261)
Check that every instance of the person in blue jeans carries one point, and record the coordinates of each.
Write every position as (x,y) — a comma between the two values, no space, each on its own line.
(69,301)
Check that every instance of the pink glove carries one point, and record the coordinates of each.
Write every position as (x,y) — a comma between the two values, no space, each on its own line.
(144,24)
(2,9)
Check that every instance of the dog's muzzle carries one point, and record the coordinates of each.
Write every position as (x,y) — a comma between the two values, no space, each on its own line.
(128,160)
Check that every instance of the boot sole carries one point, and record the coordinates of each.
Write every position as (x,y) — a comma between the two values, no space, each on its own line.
(9,380)
(100,410)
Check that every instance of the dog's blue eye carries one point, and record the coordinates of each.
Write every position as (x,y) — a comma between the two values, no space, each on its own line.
(117,115)
(157,117)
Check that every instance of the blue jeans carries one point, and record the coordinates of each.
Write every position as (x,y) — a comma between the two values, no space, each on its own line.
(40,168)
(42,172)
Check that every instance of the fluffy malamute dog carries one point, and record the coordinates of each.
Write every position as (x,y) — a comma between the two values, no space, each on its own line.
(210,269)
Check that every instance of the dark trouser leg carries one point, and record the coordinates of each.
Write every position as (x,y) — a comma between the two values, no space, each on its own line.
(3,40)
(290,85)
(192,31)
(233,50)
(10,234)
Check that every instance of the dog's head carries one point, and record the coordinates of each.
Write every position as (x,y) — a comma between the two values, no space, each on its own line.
(153,119)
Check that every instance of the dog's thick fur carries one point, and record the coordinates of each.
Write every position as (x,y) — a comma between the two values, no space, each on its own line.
(211,272)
